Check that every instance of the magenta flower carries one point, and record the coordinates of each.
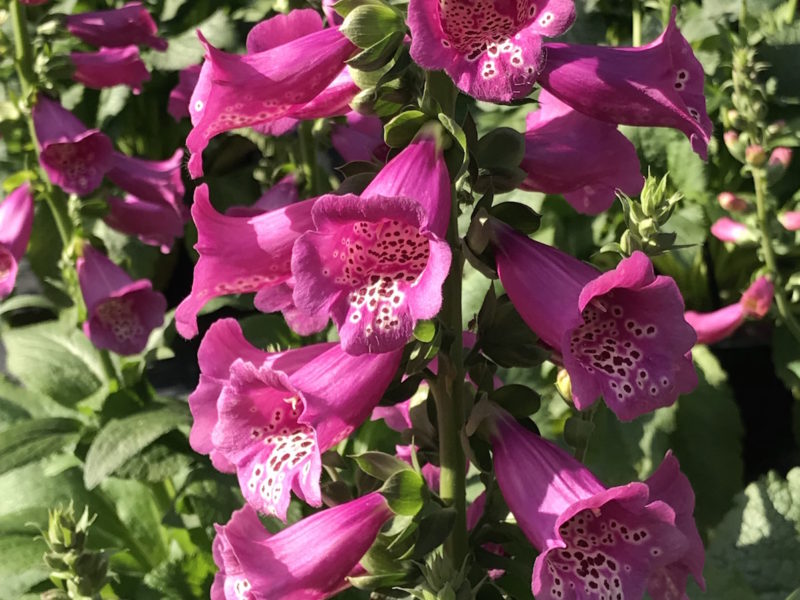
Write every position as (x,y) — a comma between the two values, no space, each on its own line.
(621,334)
(491,50)
(361,138)
(297,60)
(717,325)
(16,221)
(178,103)
(582,158)
(790,220)
(376,262)
(240,254)
(157,181)
(732,202)
(726,229)
(75,158)
(657,85)
(121,312)
(275,414)
(278,196)
(109,67)
(593,541)
(309,560)
(333,18)
(154,223)
(126,26)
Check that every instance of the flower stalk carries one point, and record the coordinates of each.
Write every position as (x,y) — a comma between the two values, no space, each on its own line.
(636,34)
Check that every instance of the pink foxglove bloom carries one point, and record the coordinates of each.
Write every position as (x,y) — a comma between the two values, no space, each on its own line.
(726,229)
(361,138)
(16,221)
(277,413)
(121,312)
(156,181)
(582,158)
(75,158)
(154,223)
(116,28)
(657,85)
(491,50)
(297,61)
(717,325)
(790,220)
(109,67)
(240,255)
(376,262)
(621,334)
(278,196)
(178,104)
(309,560)
(331,15)
(596,542)
(732,202)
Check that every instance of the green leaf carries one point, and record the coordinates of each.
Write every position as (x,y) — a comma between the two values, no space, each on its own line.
(21,564)
(379,465)
(518,215)
(517,399)
(401,129)
(500,148)
(185,49)
(424,331)
(31,440)
(404,491)
(56,361)
(758,541)
(121,439)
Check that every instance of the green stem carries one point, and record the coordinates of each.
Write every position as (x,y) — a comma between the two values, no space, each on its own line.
(637,23)
(308,150)
(23,61)
(448,393)
(763,212)
(791,11)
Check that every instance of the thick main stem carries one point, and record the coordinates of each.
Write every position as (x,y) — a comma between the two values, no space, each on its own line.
(784,310)
(637,23)
(450,402)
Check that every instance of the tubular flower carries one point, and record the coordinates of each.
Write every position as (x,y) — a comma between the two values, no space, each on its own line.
(240,254)
(658,85)
(116,28)
(621,334)
(361,138)
(275,414)
(157,181)
(75,158)
(109,67)
(719,324)
(582,158)
(282,194)
(154,223)
(596,542)
(726,229)
(16,221)
(121,312)
(178,103)
(376,262)
(491,50)
(297,59)
(309,560)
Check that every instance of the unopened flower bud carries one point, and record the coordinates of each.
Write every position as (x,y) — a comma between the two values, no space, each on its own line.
(755,156)
(564,385)
(790,220)
(728,230)
(732,118)
(778,163)
(732,202)
(776,127)
(734,145)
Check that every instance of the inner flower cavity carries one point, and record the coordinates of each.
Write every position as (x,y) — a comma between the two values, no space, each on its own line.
(6,263)
(119,317)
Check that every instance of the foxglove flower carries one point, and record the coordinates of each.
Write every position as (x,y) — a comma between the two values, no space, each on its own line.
(154,223)
(376,262)
(121,312)
(278,196)
(240,254)
(75,158)
(621,334)
(297,60)
(582,158)
(178,103)
(726,229)
(361,138)
(491,50)
(719,324)
(596,542)
(309,560)
(157,181)
(658,85)
(16,221)
(276,414)
(790,220)
(732,202)
(116,28)
(109,67)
